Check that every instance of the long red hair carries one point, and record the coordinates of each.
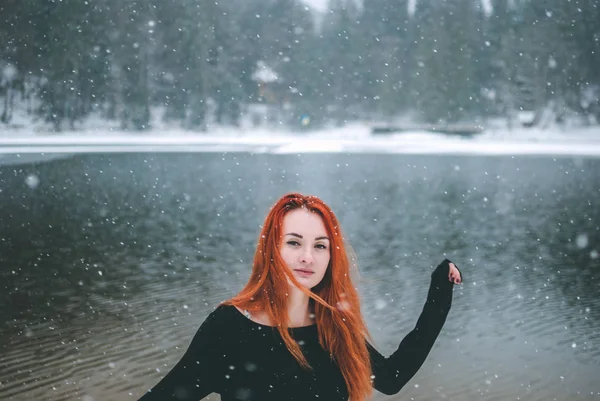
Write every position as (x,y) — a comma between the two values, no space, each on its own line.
(342,330)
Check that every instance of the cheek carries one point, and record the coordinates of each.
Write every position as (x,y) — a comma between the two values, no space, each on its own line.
(287,255)
(324,261)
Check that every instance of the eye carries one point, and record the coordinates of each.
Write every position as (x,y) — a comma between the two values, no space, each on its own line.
(321,246)
(293,242)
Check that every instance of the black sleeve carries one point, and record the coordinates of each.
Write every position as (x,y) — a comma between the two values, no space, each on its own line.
(392,373)
(194,376)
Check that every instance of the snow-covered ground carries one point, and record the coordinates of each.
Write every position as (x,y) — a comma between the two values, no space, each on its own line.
(24,135)
(354,138)
(26,139)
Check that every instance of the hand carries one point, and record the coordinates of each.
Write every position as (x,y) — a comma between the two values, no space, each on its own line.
(454,274)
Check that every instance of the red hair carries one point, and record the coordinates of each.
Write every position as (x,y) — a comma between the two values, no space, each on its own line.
(342,330)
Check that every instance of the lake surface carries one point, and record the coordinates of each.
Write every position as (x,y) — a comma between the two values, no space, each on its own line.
(110,262)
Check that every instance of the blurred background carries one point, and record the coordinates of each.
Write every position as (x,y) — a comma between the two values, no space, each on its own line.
(143,142)
(303,65)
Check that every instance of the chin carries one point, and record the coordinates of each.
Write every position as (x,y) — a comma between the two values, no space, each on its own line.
(312,284)
(308,283)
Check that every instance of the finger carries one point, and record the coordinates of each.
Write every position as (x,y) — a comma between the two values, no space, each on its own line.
(455,277)
(453,271)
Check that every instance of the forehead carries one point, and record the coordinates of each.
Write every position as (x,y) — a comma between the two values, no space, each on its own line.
(302,220)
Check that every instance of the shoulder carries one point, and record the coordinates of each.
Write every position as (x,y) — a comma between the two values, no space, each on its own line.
(219,322)
(217,329)
(222,314)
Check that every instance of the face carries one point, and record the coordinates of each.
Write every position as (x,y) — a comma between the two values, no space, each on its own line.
(305,246)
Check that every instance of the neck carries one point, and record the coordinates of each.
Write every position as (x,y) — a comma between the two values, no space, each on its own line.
(298,308)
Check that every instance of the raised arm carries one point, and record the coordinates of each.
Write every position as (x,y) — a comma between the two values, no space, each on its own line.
(194,376)
(392,373)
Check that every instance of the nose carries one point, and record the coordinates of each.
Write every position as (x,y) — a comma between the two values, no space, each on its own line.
(306,257)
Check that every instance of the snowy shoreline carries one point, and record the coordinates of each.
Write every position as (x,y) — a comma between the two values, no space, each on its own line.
(350,139)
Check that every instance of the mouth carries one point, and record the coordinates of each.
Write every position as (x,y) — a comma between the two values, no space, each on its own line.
(304,272)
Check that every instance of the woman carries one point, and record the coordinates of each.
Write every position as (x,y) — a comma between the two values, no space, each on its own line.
(295,331)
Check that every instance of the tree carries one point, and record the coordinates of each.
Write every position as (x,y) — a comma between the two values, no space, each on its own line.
(386,28)
(442,78)
(341,45)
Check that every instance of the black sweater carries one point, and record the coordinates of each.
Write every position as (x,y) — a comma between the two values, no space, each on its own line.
(243,360)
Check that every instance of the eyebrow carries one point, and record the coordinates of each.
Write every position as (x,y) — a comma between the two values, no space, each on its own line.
(299,236)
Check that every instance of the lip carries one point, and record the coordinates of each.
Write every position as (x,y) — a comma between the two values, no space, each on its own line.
(304,272)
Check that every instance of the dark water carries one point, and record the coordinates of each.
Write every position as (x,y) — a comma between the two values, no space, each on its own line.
(109,263)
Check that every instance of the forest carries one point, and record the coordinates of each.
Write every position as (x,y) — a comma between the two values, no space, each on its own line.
(201,61)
